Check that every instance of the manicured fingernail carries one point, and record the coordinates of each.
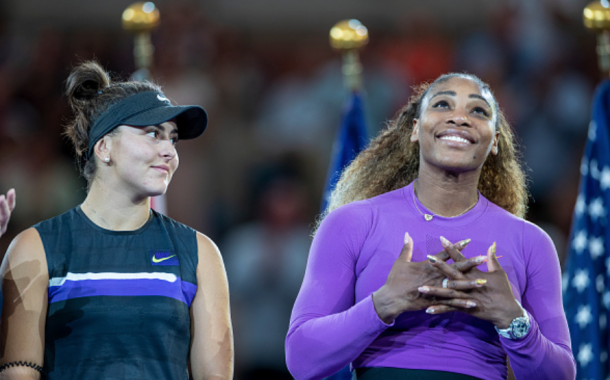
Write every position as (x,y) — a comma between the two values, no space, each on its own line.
(481,259)
(445,242)
(432,259)
(430,310)
(471,304)
(423,289)
(464,243)
(406,237)
(480,281)
(493,248)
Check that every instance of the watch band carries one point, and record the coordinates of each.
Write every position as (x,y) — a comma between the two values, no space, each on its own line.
(519,327)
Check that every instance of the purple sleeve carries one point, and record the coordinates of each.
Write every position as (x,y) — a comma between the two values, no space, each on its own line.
(545,353)
(328,329)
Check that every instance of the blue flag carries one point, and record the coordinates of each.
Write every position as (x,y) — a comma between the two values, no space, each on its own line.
(352,137)
(586,281)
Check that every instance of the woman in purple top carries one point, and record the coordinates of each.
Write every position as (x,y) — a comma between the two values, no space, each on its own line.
(378,294)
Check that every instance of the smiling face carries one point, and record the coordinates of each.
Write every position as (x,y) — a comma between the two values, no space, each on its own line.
(142,159)
(456,128)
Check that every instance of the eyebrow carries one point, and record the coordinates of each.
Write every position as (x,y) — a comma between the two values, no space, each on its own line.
(452,93)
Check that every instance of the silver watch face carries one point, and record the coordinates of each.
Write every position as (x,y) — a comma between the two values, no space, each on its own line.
(519,327)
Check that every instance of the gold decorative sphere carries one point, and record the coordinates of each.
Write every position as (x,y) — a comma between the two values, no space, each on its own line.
(140,17)
(348,35)
(596,16)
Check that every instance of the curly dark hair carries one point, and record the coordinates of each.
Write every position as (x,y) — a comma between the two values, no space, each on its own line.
(90,92)
(391,160)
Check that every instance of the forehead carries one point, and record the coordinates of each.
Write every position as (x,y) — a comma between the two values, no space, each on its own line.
(459,85)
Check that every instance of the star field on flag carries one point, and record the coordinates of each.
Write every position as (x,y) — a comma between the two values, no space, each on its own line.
(586,297)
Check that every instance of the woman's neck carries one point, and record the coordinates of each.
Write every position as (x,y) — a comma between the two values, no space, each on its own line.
(113,210)
(447,194)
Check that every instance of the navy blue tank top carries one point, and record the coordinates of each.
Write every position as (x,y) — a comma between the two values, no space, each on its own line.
(118,300)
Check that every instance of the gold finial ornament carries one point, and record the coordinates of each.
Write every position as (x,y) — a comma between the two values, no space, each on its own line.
(596,17)
(349,36)
(141,19)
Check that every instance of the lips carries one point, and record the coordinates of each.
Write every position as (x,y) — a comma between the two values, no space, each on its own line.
(456,135)
(162,167)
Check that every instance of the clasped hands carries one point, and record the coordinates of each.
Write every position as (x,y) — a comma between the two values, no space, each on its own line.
(413,286)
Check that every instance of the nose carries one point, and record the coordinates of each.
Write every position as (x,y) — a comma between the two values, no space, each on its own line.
(459,118)
(167,150)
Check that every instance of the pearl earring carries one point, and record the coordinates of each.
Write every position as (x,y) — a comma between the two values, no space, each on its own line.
(107,159)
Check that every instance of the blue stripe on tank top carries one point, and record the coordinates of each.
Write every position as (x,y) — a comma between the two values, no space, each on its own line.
(77,285)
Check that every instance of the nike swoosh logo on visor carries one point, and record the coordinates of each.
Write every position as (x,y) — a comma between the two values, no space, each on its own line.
(162,98)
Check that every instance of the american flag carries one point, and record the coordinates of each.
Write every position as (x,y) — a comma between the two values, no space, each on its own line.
(351,138)
(586,280)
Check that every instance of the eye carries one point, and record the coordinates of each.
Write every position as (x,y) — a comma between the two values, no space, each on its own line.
(481,111)
(153,133)
(440,104)
(174,140)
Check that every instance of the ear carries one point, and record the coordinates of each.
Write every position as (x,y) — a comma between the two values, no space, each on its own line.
(496,142)
(415,131)
(102,148)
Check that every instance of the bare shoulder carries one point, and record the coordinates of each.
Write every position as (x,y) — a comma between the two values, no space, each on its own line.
(25,255)
(207,250)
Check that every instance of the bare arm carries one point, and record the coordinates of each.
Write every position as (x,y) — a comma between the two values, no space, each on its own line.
(212,335)
(25,282)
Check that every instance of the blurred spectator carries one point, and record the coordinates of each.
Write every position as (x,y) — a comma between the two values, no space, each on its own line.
(266,261)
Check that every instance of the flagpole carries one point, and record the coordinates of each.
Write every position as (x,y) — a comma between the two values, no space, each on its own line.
(596,17)
(140,19)
(348,37)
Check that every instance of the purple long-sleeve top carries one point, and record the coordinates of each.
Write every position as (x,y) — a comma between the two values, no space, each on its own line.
(334,321)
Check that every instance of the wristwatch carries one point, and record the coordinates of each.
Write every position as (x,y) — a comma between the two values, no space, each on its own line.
(518,328)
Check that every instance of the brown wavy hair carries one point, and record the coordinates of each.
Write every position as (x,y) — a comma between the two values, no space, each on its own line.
(90,92)
(391,160)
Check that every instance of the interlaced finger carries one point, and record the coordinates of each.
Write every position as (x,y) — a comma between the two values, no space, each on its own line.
(447,269)
(466,265)
(454,303)
(439,309)
(444,256)
(452,250)
(452,289)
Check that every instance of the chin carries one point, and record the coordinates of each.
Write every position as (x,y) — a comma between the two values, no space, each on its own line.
(155,191)
(457,166)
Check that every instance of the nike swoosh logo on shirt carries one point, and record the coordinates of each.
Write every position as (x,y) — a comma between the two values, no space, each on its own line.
(155,260)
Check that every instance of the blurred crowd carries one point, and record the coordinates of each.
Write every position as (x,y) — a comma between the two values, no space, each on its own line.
(253,182)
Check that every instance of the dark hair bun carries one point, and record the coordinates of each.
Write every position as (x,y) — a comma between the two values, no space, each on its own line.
(90,93)
(85,82)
